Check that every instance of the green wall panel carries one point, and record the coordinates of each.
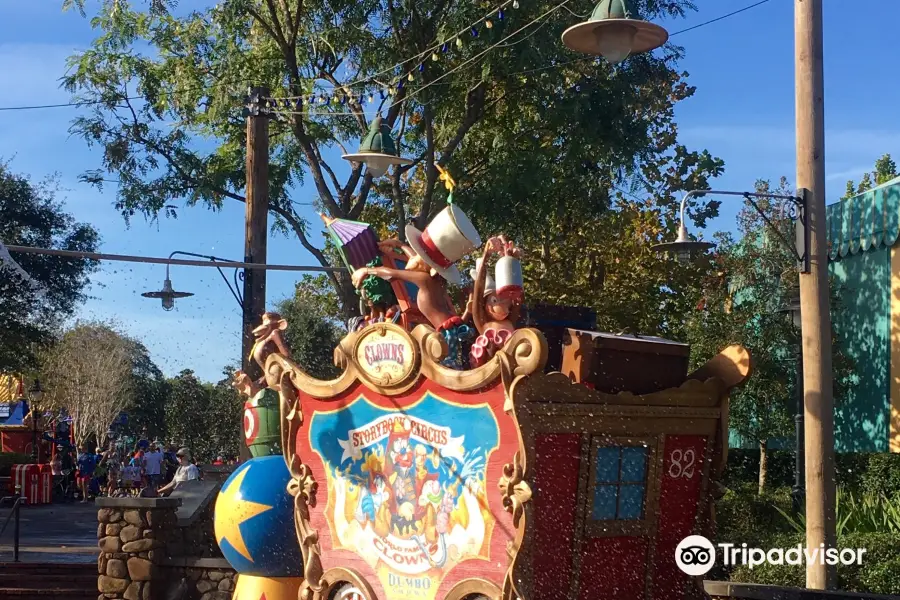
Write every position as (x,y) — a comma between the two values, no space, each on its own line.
(862,320)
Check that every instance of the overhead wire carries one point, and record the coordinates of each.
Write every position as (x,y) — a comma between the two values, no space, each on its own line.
(415,57)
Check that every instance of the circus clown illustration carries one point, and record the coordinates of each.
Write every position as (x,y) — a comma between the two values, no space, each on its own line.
(408,493)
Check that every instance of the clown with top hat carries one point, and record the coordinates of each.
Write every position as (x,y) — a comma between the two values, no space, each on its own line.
(432,256)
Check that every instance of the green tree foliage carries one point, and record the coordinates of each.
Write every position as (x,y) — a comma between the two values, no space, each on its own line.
(533,133)
(32,216)
(885,170)
(312,332)
(185,412)
(151,392)
(204,417)
(751,281)
(225,414)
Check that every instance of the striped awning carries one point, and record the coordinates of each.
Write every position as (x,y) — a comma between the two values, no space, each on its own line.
(864,222)
(11,388)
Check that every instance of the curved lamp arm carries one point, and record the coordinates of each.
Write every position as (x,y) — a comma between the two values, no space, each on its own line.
(799,247)
(233,291)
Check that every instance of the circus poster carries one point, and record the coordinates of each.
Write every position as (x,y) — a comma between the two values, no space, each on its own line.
(408,489)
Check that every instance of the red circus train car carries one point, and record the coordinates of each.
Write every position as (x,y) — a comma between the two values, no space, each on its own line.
(414,481)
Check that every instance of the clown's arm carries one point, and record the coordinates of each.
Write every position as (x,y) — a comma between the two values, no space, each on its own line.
(392,244)
(360,274)
(479,316)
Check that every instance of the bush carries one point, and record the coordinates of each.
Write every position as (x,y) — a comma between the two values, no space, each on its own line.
(783,575)
(879,572)
(872,472)
(742,516)
(882,474)
(743,467)
(8,459)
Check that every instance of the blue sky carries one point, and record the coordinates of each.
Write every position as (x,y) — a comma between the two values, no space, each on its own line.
(743,111)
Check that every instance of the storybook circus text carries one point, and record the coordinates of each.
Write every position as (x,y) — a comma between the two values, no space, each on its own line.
(445,462)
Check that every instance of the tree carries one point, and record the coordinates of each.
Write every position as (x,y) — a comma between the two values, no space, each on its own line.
(90,373)
(518,123)
(33,217)
(751,280)
(885,170)
(150,395)
(202,416)
(186,421)
(224,415)
(312,333)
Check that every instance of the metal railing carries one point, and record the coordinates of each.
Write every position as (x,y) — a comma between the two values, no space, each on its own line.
(17,502)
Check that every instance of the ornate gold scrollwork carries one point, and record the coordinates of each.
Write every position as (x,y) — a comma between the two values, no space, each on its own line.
(514,489)
(516,495)
(303,488)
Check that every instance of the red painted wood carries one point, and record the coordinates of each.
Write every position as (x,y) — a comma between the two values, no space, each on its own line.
(679,494)
(555,490)
(613,568)
(493,569)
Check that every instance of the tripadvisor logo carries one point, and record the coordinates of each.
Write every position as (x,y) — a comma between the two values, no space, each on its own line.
(695,555)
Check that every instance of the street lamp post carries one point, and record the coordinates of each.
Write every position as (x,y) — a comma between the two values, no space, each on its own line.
(35,393)
(797,490)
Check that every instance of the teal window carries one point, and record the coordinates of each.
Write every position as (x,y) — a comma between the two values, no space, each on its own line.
(620,483)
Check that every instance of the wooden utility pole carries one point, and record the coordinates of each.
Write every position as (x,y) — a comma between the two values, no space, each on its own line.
(256,227)
(814,292)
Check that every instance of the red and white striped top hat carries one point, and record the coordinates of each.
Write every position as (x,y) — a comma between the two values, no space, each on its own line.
(448,238)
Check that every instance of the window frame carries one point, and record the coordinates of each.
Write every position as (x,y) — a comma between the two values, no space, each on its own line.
(624,527)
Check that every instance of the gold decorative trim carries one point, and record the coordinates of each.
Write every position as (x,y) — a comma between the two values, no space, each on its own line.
(340,575)
(471,588)
(525,353)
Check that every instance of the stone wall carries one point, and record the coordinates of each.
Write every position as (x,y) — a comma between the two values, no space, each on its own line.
(132,534)
(148,553)
(201,579)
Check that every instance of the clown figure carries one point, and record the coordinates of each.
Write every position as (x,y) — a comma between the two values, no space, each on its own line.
(400,472)
(431,256)
(493,314)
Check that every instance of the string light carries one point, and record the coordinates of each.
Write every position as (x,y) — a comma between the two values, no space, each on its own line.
(371,98)
(459,42)
(515,4)
(474,32)
(410,77)
(445,47)
(500,14)
(421,67)
(434,56)
(489,24)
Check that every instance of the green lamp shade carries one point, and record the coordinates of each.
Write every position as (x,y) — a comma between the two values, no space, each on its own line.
(614,31)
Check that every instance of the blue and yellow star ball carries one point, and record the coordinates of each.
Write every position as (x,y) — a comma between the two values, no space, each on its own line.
(254,520)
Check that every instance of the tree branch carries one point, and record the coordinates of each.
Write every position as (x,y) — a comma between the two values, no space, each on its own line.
(431,173)
(474,110)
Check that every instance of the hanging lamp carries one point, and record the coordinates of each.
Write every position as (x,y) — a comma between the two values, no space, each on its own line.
(614,31)
(377,149)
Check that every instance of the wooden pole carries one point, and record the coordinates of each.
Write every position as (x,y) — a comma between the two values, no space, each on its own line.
(814,292)
(256,228)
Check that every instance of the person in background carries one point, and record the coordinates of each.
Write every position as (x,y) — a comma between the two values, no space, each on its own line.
(56,463)
(143,442)
(186,472)
(87,463)
(171,462)
(153,462)
(113,469)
